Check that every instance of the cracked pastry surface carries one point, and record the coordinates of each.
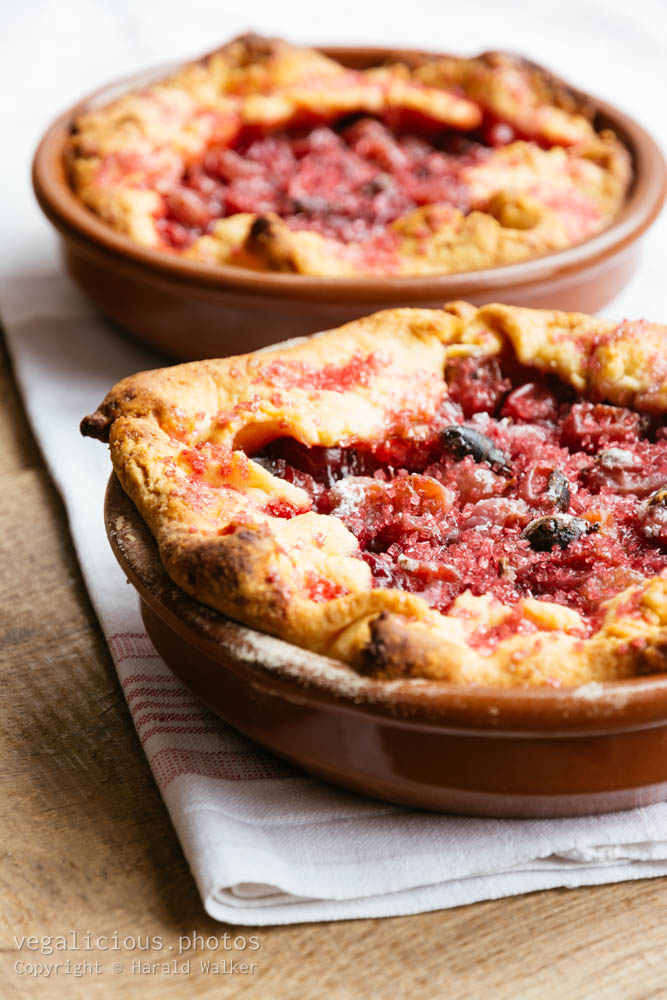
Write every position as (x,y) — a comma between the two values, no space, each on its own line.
(272,157)
(474,495)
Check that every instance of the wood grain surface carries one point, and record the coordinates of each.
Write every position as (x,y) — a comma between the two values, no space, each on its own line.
(88,846)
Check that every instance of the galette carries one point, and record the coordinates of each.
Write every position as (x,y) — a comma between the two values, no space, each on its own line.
(471,495)
(267,156)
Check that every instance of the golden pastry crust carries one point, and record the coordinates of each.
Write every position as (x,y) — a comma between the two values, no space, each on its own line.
(180,439)
(559,183)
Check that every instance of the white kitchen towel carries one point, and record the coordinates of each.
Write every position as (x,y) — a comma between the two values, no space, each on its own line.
(265,843)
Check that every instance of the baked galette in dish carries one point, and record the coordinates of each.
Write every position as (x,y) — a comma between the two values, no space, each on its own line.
(272,157)
(475,495)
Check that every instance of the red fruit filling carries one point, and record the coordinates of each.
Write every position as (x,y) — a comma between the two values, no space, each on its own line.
(515,492)
(348,183)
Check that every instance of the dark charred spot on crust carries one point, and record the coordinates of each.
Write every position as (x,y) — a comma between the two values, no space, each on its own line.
(96,425)
(261,227)
(390,652)
(237,568)
(651,660)
(266,240)
(221,561)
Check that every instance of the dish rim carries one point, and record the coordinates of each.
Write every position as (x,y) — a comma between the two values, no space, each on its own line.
(67,212)
(591,709)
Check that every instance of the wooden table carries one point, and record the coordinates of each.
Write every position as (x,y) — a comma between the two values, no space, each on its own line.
(88,845)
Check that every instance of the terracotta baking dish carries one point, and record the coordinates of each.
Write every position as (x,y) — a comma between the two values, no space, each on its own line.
(190,310)
(484,751)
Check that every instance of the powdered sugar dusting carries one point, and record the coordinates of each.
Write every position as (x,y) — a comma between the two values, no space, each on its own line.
(589,692)
(594,691)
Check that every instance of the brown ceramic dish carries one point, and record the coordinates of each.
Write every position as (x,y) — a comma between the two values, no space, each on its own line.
(483,751)
(226,310)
